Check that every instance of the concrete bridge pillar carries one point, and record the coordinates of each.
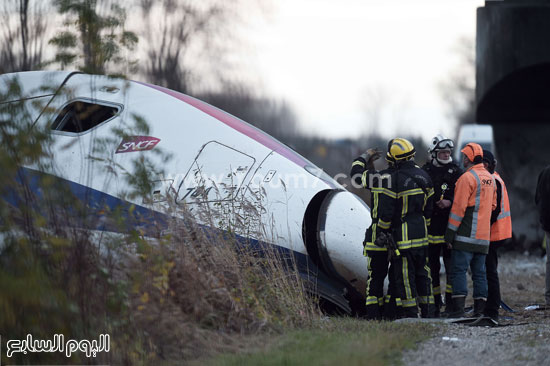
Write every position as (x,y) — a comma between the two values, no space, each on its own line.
(513,94)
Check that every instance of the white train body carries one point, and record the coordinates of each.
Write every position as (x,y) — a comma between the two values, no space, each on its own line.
(215,158)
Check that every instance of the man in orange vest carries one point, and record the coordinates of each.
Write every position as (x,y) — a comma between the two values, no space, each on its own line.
(501,229)
(468,230)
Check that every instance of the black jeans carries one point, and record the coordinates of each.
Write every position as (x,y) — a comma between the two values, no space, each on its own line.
(493,284)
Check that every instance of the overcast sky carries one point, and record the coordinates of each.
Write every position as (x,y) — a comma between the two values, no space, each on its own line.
(337,60)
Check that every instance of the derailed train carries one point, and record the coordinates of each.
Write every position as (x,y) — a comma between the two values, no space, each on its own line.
(215,157)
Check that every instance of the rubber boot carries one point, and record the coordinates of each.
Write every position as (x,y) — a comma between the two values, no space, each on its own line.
(438,304)
(479,308)
(491,314)
(448,305)
(372,312)
(427,311)
(410,312)
(458,307)
(390,308)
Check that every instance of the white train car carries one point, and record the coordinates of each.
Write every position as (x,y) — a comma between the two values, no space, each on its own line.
(215,158)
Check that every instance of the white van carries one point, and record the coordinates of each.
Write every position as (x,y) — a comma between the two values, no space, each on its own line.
(480,134)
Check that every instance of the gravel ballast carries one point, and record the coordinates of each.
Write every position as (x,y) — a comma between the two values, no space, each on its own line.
(522,339)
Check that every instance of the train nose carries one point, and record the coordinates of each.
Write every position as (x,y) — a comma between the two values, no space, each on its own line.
(340,231)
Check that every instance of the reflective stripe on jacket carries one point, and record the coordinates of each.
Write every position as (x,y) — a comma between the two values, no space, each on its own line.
(502,228)
(405,207)
(470,218)
(399,204)
(444,179)
(378,190)
(378,183)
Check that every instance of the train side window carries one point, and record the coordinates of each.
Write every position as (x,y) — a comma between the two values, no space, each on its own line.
(81,116)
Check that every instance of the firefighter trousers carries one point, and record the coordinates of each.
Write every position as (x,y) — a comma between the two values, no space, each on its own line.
(379,306)
(377,266)
(434,252)
(413,282)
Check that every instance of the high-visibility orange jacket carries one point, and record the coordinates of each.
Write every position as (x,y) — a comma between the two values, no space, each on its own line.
(502,228)
(470,218)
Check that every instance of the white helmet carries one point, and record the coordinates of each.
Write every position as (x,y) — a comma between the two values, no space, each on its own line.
(438,144)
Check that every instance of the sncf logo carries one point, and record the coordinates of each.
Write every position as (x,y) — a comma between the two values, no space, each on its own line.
(137,143)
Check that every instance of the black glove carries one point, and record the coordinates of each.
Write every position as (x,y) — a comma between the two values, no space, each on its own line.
(370,156)
(381,240)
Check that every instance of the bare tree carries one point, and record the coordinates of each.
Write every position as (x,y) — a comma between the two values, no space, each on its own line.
(374,101)
(94,37)
(458,91)
(385,109)
(190,35)
(23,34)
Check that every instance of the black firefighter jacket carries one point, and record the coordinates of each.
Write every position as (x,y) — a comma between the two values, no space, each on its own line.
(444,180)
(402,203)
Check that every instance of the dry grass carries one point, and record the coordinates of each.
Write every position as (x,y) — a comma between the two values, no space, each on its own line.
(197,289)
(183,295)
(187,292)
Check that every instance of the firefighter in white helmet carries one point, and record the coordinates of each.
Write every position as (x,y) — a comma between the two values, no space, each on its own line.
(444,174)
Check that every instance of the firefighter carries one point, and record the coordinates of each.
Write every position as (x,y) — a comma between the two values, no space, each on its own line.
(444,174)
(542,200)
(468,230)
(404,210)
(364,175)
(501,229)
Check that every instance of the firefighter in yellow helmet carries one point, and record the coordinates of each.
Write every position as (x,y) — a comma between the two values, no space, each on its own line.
(404,211)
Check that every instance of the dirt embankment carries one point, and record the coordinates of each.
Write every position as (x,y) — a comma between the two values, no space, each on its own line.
(522,338)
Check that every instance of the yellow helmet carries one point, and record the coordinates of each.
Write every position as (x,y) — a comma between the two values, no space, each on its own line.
(401,149)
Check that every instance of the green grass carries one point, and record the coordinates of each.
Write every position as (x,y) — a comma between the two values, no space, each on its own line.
(338,341)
